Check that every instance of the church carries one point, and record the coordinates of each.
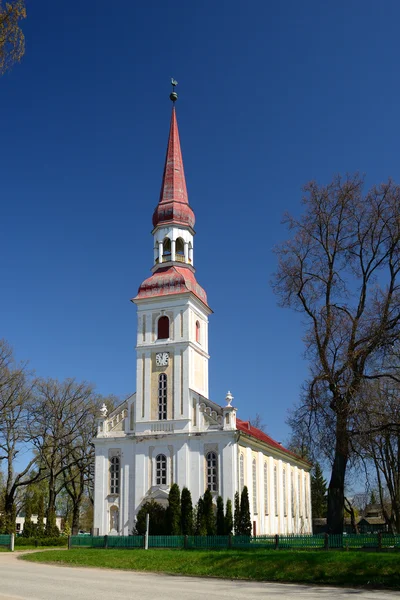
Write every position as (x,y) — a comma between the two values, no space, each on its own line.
(169,431)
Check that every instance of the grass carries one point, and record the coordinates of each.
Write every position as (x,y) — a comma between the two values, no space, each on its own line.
(309,567)
(4,549)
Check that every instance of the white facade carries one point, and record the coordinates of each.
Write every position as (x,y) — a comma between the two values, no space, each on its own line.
(169,431)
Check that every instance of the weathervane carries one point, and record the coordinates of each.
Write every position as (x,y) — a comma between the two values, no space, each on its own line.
(173,95)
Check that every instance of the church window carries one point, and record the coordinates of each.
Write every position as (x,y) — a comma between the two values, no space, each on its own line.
(241,472)
(265,488)
(276,490)
(284,493)
(197,332)
(162,397)
(212,480)
(166,250)
(254,472)
(114,475)
(161,469)
(163,328)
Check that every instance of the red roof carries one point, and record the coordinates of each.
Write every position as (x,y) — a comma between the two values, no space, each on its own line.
(171,280)
(173,205)
(246,427)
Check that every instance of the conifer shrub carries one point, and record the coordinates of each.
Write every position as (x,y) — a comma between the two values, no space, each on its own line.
(173,514)
(208,512)
(186,512)
(220,524)
(228,525)
(245,519)
(236,514)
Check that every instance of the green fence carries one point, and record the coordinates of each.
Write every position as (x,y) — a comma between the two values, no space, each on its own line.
(292,542)
(5,540)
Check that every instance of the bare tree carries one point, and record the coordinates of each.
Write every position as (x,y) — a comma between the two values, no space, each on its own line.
(15,398)
(59,424)
(340,270)
(12,39)
(378,443)
(258,422)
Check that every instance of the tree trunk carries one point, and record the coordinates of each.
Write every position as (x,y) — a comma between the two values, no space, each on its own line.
(336,484)
(75,515)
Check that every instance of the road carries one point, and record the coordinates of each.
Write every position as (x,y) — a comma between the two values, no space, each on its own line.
(20,580)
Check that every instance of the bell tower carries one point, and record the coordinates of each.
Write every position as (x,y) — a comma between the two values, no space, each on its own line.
(172,333)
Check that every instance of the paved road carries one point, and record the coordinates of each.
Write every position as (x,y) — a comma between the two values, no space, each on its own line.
(20,580)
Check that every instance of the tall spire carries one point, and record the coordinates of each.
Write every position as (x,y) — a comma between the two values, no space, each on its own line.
(173,205)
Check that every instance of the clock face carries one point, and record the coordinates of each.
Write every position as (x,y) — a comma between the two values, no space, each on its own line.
(162,359)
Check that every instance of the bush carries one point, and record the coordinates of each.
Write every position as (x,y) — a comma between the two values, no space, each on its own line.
(24,541)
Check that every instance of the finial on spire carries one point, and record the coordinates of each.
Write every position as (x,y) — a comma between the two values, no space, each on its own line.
(173,95)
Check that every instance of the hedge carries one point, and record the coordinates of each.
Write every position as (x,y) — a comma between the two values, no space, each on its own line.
(54,541)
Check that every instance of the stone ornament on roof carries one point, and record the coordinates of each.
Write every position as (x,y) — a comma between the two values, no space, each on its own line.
(103,411)
(228,399)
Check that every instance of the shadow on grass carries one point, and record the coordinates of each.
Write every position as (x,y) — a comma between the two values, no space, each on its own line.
(308,567)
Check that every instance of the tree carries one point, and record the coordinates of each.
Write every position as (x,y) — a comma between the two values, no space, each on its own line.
(236,514)
(199,518)
(228,518)
(340,270)
(12,40)
(174,510)
(15,405)
(208,513)
(245,519)
(61,425)
(29,526)
(186,512)
(378,444)
(40,517)
(318,493)
(258,422)
(157,519)
(220,524)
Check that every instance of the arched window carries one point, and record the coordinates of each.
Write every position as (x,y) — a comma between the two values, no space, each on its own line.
(114,475)
(265,488)
(254,472)
(212,474)
(161,469)
(166,249)
(241,472)
(180,247)
(284,493)
(162,397)
(198,332)
(276,490)
(163,328)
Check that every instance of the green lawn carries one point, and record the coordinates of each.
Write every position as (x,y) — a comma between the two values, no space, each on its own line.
(336,568)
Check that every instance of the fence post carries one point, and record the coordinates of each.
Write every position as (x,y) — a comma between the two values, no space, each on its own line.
(69,542)
(276,542)
(36,543)
(12,542)
(106,542)
(379,540)
(326,541)
(230,540)
(185,542)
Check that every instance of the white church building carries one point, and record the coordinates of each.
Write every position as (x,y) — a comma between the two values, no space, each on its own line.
(169,431)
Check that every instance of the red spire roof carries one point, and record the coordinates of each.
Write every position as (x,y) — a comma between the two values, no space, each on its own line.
(173,205)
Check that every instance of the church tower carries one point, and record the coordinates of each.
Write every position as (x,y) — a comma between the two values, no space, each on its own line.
(172,332)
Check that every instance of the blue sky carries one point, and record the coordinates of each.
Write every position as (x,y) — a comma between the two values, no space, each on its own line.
(271,95)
